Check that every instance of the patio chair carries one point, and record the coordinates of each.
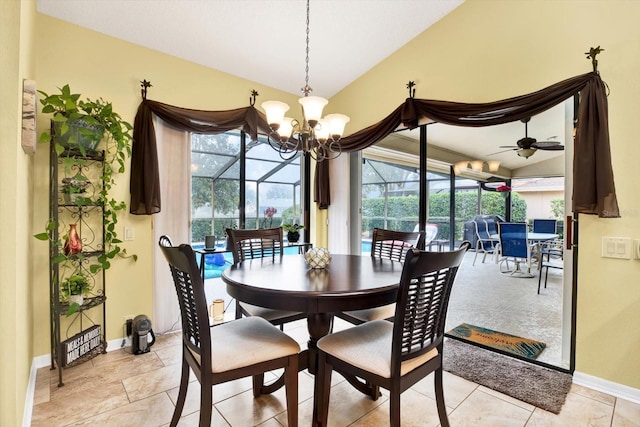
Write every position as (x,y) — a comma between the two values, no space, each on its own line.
(554,259)
(261,243)
(396,355)
(484,242)
(386,244)
(542,226)
(545,226)
(233,350)
(430,232)
(514,246)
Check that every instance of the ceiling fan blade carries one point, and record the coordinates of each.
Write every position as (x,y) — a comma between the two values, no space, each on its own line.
(552,148)
(548,145)
(515,147)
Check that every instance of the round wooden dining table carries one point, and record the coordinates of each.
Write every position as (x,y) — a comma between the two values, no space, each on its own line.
(350,282)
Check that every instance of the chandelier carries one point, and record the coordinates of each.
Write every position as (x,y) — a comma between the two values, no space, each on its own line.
(476,165)
(316,135)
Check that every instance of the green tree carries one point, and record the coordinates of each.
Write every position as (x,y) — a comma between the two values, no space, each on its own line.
(376,174)
(402,213)
(210,154)
(557,208)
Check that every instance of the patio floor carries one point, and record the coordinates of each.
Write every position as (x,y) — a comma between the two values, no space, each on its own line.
(484,297)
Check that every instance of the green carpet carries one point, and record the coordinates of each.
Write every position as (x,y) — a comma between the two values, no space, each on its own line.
(489,338)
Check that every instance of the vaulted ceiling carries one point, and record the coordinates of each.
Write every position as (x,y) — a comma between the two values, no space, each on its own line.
(264,41)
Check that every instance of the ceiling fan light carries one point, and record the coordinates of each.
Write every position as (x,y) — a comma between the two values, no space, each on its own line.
(493,165)
(526,152)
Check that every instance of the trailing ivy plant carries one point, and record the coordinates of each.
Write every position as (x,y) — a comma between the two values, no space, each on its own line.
(104,125)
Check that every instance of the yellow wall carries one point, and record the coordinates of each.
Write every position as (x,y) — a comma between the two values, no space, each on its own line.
(16,345)
(491,49)
(96,65)
(484,50)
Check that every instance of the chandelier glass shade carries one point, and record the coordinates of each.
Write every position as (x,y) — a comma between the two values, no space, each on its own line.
(315,135)
(476,165)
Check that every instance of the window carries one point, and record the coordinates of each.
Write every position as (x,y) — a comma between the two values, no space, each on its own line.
(272,190)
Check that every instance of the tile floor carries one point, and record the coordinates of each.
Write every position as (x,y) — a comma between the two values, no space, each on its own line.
(119,389)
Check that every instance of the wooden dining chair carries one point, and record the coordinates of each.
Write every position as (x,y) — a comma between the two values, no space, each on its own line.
(385,244)
(262,243)
(229,351)
(397,355)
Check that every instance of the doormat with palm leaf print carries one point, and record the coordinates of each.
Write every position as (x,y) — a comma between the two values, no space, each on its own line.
(525,347)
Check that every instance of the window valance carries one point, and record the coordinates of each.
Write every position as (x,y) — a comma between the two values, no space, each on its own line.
(593,192)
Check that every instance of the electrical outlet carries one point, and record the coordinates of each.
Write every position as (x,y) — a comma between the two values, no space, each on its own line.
(128,320)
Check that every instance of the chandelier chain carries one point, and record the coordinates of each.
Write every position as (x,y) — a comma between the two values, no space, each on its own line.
(306,89)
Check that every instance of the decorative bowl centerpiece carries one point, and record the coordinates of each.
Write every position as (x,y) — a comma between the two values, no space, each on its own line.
(317,257)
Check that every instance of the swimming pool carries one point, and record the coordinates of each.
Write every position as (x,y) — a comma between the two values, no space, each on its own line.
(215,264)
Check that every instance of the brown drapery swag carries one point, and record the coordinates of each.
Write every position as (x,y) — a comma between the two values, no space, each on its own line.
(145,181)
(593,188)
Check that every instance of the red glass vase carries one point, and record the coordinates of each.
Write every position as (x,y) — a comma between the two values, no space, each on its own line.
(72,244)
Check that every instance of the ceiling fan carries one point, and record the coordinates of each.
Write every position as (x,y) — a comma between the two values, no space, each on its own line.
(527,146)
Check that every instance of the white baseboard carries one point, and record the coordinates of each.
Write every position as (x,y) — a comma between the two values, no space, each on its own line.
(614,389)
(44,361)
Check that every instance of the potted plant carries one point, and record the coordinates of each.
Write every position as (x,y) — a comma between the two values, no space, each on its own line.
(293,235)
(76,123)
(107,127)
(74,288)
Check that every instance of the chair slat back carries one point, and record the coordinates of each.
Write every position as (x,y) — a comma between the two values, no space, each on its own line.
(423,297)
(545,226)
(251,244)
(490,223)
(482,232)
(393,245)
(513,239)
(191,298)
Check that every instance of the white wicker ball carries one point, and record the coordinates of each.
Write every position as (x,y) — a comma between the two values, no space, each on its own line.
(317,257)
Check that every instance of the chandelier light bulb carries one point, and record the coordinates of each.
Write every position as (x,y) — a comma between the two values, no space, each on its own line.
(286,128)
(476,165)
(493,165)
(275,112)
(336,123)
(321,130)
(460,166)
(312,107)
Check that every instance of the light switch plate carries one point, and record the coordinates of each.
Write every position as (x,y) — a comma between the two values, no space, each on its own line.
(128,233)
(616,247)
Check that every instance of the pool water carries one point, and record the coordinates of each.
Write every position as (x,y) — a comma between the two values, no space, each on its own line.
(215,264)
